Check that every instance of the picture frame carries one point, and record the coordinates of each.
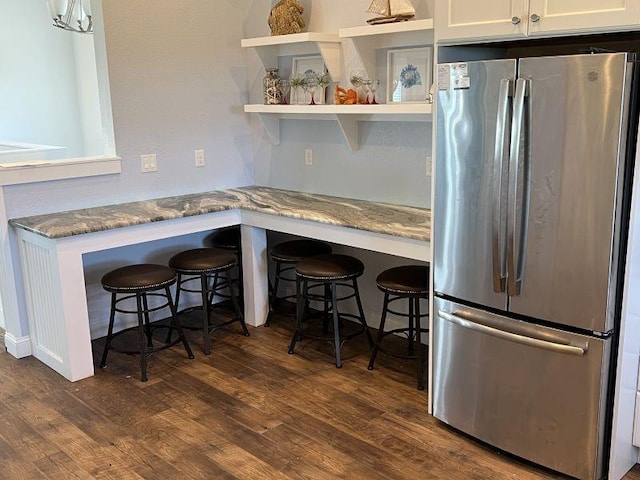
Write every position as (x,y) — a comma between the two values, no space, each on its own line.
(409,75)
(300,66)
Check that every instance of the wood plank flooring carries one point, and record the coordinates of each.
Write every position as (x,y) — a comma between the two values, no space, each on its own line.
(247,411)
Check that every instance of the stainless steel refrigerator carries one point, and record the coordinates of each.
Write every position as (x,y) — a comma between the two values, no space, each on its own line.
(528,245)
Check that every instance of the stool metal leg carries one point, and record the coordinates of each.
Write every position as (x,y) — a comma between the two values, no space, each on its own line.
(410,341)
(301,294)
(178,288)
(383,319)
(176,322)
(147,322)
(336,323)
(206,332)
(177,304)
(236,306)
(325,312)
(141,338)
(361,313)
(103,362)
(419,345)
(212,291)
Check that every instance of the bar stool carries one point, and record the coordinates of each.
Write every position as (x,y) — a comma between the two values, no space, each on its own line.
(140,282)
(230,238)
(409,282)
(205,265)
(286,255)
(331,270)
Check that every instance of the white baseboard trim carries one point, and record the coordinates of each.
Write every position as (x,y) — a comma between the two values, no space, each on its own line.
(18,347)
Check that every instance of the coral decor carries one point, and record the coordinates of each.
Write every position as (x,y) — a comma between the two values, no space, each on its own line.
(286,17)
(345,97)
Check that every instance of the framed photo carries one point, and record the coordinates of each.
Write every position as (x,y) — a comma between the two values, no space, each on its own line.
(409,74)
(300,67)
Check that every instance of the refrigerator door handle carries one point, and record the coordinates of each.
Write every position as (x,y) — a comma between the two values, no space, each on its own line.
(514,265)
(498,240)
(513,337)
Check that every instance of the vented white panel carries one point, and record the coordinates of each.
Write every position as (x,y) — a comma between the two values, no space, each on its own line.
(46,317)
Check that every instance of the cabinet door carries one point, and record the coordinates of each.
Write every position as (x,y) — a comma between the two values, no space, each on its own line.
(570,16)
(470,20)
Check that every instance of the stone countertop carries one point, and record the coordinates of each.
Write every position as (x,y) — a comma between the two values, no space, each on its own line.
(397,220)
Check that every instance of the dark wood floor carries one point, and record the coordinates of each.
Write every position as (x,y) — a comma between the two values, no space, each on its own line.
(247,411)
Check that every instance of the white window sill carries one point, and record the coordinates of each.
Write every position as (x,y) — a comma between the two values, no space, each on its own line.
(46,170)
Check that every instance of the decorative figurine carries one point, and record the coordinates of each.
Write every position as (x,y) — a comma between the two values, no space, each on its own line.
(286,17)
(390,11)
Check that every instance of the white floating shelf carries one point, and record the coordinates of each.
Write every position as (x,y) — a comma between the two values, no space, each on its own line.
(330,109)
(347,116)
(390,35)
(387,28)
(270,48)
(294,38)
(367,39)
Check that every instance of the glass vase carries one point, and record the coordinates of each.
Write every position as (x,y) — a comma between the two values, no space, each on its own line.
(271,87)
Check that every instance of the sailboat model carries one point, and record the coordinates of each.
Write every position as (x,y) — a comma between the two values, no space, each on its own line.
(390,11)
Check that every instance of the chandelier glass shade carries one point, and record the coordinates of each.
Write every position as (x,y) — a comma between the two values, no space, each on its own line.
(71,15)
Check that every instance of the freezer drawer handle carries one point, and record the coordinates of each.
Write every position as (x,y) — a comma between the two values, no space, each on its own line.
(513,337)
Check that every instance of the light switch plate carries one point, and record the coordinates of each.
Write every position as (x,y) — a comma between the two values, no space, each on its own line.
(199,156)
(148,163)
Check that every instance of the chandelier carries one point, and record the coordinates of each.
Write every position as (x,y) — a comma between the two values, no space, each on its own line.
(71,15)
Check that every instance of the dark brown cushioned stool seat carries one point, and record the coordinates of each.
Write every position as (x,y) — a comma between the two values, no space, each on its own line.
(330,267)
(199,260)
(226,239)
(286,255)
(409,282)
(206,265)
(331,270)
(139,282)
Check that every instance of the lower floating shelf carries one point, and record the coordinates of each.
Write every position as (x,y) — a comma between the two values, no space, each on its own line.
(347,116)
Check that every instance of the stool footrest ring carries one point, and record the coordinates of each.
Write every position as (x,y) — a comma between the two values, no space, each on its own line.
(147,351)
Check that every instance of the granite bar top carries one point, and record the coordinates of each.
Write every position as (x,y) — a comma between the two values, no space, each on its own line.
(397,220)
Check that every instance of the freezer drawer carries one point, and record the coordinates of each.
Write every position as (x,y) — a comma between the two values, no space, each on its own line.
(536,392)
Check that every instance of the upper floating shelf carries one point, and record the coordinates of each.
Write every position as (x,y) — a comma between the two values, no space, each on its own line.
(387,28)
(411,32)
(270,48)
(294,38)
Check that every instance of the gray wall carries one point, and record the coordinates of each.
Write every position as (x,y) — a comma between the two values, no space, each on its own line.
(390,165)
(178,80)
